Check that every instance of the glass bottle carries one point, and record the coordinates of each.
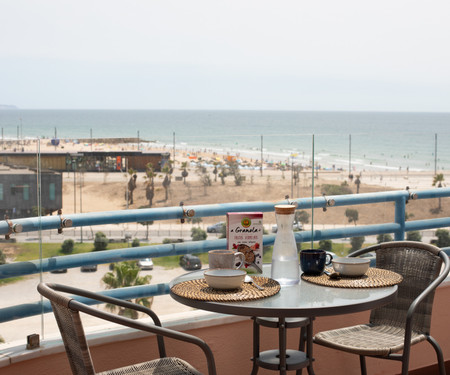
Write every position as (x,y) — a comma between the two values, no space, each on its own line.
(285,263)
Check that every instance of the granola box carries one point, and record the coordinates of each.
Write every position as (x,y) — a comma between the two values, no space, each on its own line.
(245,234)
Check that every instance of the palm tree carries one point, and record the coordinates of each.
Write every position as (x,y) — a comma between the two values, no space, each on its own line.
(131,185)
(126,274)
(437,181)
(149,185)
(204,177)
(185,173)
(167,170)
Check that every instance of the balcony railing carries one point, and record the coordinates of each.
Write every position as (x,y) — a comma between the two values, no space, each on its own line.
(60,222)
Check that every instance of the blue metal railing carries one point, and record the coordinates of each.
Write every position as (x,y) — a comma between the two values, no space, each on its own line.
(398,228)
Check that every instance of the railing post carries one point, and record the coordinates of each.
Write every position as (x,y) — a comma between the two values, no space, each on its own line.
(400,210)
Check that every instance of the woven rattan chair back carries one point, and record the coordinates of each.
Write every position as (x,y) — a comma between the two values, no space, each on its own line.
(72,332)
(67,313)
(419,264)
(396,326)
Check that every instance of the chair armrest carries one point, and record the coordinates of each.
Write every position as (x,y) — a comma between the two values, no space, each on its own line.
(106,299)
(155,329)
(48,290)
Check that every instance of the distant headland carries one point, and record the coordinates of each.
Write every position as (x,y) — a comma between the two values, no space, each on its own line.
(6,106)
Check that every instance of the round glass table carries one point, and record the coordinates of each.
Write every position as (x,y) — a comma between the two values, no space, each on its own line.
(301,300)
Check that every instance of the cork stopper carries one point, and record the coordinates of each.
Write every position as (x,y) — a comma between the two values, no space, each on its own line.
(284,209)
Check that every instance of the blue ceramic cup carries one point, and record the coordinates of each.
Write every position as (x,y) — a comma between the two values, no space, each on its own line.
(313,261)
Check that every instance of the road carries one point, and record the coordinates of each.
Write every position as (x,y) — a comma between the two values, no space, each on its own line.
(157,233)
(25,292)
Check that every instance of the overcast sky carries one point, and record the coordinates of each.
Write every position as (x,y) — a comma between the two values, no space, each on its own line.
(383,55)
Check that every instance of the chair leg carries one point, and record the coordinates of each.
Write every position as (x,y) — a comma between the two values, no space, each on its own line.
(362,363)
(301,346)
(255,346)
(439,354)
(405,365)
(309,346)
(282,345)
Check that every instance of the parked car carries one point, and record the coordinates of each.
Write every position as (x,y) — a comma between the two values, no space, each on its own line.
(89,268)
(61,270)
(145,264)
(190,262)
(295,227)
(52,261)
(215,228)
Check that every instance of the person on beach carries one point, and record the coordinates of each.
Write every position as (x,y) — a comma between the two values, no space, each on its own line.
(131,187)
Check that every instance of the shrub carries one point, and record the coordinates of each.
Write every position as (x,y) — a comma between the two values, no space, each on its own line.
(100,241)
(2,258)
(67,246)
(198,234)
(194,220)
(352,215)
(326,245)
(136,243)
(357,243)
(172,240)
(443,238)
(414,236)
(329,189)
(302,217)
(385,237)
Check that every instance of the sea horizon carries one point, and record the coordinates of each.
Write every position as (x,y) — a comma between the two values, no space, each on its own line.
(374,140)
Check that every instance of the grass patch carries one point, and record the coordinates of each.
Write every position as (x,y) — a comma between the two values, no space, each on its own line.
(11,280)
(30,251)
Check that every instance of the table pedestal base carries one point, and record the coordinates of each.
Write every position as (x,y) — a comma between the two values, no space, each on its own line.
(270,359)
(283,359)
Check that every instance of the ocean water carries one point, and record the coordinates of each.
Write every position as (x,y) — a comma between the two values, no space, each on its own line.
(356,140)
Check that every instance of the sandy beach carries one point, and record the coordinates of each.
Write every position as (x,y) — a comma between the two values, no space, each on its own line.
(106,191)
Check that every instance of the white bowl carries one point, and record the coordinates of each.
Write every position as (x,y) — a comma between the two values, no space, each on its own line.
(221,278)
(351,266)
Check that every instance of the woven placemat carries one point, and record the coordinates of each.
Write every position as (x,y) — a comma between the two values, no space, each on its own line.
(199,290)
(374,278)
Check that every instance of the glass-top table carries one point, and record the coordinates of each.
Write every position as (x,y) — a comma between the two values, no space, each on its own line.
(302,300)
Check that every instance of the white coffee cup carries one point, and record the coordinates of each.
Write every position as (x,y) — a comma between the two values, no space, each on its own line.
(225,259)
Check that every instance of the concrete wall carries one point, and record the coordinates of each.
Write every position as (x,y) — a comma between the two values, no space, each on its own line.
(232,347)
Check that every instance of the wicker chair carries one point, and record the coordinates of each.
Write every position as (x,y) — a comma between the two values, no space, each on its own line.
(67,312)
(406,321)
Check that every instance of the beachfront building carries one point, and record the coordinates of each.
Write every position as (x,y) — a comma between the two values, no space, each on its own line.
(87,161)
(18,192)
